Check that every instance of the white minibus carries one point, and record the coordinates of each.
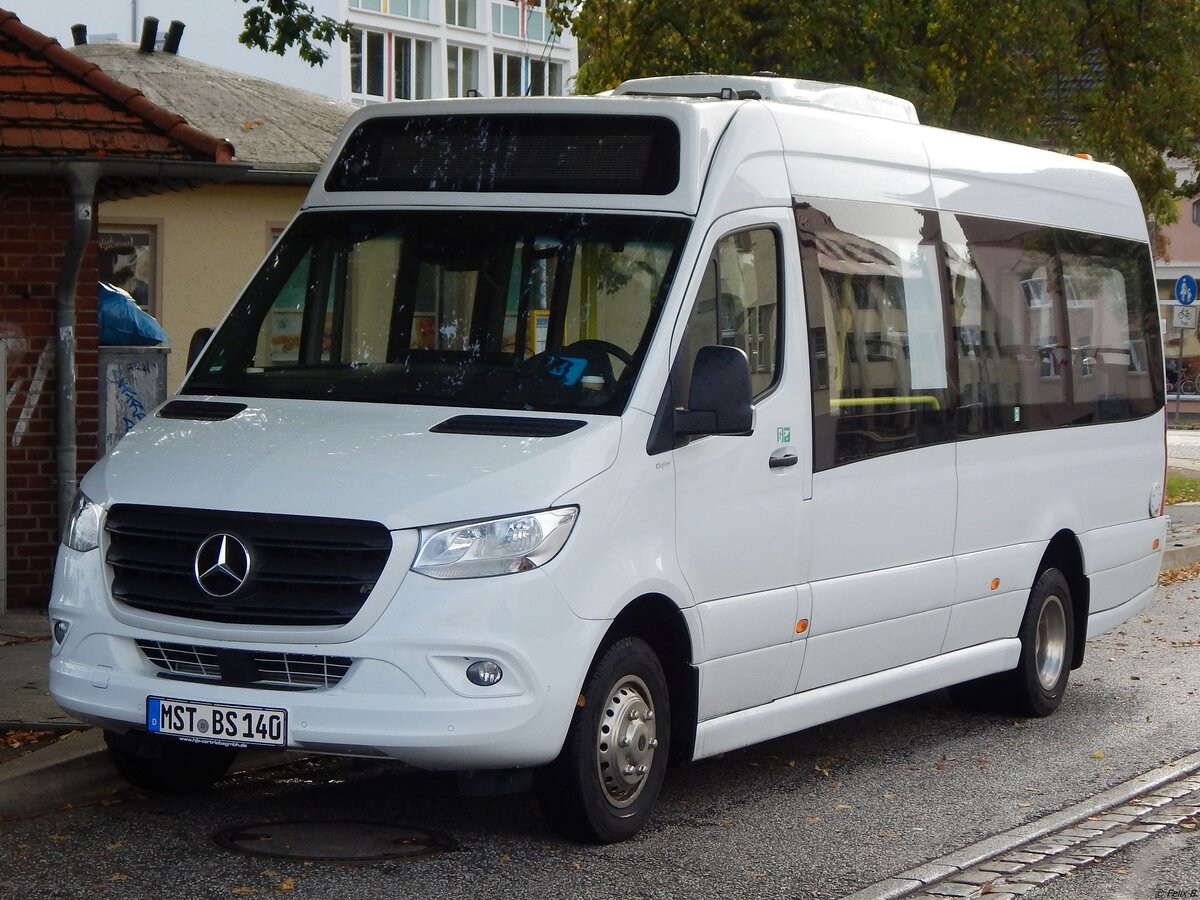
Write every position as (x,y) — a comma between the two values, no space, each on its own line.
(560,438)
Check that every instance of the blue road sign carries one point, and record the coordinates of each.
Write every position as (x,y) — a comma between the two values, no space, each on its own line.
(1185,290)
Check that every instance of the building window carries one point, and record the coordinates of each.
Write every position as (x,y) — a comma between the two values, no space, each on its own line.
(414,9)
(129,260)
(462,71)
(518,76)
(412,69)
(1196,212)
(461,13)
(367,66)
(507,75)
(520,19)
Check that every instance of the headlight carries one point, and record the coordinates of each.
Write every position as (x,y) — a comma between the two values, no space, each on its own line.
(82,531)
(495,547)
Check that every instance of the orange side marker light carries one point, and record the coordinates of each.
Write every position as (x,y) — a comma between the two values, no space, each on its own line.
(802,626)
(1155,547)
(995,583)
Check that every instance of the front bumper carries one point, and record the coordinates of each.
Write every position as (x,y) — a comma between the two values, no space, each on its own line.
(405,695)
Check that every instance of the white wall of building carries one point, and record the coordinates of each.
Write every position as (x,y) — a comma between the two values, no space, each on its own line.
(212,30)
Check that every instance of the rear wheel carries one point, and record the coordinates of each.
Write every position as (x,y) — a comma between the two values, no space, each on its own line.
(165,765)
(604,783)
(1036,686)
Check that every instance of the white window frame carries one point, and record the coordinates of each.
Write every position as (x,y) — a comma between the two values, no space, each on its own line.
(456,84)
(417,55)
(463,14)
(362,95)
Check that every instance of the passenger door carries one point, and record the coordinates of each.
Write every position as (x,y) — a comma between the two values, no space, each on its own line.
(884,483)
(740,499)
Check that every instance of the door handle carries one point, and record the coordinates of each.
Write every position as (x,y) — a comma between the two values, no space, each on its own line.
(783,460)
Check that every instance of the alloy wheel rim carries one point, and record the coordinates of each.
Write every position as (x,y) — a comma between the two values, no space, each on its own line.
(1050,648)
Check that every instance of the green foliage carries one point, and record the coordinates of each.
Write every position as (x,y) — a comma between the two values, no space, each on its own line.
(1118,79)
(1182,489)
(278,25)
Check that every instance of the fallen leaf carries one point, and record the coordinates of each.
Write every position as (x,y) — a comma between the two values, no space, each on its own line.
(505,858)
(286,886)
(1099,754)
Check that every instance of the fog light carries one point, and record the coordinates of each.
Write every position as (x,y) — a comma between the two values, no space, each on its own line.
(485,673)
(60,630)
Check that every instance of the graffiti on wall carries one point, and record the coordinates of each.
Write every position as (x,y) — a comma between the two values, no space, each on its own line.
(133,389)
(21,394)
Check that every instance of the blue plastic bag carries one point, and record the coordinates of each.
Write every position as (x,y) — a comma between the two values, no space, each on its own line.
(125,324)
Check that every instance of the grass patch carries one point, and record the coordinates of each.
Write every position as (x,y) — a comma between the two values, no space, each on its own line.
(1182,489)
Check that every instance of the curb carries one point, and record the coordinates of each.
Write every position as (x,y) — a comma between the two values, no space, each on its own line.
(76,771)
(921,877)
(1180,558)
(75,767)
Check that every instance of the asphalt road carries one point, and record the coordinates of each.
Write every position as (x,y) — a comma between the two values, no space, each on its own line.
(820,814)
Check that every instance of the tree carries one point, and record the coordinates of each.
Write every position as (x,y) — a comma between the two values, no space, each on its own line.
(278,25)
(1117,79)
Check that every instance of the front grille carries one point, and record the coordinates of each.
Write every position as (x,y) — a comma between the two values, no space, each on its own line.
(303,570)
(245,668)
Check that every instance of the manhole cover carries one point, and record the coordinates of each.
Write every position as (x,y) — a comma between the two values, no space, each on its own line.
(333,841)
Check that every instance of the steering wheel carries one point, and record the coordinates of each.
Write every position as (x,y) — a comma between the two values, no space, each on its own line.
(589,347)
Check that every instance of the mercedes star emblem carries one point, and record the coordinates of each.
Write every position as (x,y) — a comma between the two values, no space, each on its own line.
(222,565)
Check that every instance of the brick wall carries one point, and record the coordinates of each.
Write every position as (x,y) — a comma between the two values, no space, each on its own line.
(35,227)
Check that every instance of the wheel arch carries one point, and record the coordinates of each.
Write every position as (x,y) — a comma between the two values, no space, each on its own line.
(1065,554)
(659,622)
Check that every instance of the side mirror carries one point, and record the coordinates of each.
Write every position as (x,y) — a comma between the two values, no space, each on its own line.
(199,339)
(719,396)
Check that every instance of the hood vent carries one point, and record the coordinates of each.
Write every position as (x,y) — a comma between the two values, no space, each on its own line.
(200,410)
(508,426)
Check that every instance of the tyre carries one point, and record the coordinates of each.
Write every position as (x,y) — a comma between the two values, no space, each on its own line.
(606,779)
(1036,686)
(1187,387)
(165,765)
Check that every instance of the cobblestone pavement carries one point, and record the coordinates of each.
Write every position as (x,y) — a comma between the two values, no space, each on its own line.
(1063,851)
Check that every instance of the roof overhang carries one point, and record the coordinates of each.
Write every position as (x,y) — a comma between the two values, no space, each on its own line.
(122,178)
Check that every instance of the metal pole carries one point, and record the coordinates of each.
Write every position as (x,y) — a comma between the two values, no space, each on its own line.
(1178,377)
(82,178)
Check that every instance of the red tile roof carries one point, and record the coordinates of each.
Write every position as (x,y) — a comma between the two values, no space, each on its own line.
(55,104)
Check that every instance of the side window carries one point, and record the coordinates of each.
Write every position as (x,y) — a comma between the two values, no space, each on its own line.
(876,329)
(738,305)
(1111,310)
(1052,328)
(1009,326)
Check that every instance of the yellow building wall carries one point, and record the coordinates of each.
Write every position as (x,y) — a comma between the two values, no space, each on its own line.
(210,241)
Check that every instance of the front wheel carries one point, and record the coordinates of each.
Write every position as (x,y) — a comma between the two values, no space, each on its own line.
(604,783)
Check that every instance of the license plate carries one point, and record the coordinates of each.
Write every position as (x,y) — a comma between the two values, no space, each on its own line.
(217,723)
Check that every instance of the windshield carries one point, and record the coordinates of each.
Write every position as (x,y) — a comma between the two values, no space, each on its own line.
(488,309)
